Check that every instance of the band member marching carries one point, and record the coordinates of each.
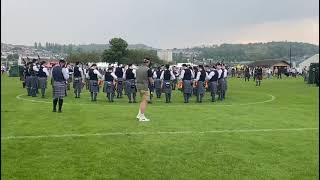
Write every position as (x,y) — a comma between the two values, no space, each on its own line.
(119,72)
(213,82)
(200,83)
(157,81)
(186,76)
(109,84)
(60,75)
(78,80)
(43,74)
(167,76)
(93,75)
(130,76)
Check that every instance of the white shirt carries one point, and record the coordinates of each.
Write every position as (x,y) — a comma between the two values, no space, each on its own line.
(95,72)
(65,73)
(35,68)
(171,73)
(45,70)
(219,73)
(210,75)
(182,74)
(199,74)
(112,74)
(225,73)
(154,76)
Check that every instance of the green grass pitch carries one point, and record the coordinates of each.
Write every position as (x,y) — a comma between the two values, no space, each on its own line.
(256,133)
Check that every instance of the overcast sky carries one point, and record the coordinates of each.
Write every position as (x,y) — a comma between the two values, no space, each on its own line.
(159,23)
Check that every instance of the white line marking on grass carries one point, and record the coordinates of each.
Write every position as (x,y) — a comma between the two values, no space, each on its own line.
(156,133)
(272,98)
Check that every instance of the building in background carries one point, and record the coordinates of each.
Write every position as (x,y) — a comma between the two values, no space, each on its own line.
(165,55)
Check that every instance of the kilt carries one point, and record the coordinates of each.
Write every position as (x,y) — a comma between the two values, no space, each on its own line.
(119,85)
(157,84)
(42,82)
(167,87)
(22,78)
(108,87)
(200,87)
(151,87)
(213,86)
(226,84)
(34,82)
(59,89)
(93,86)
(77,83)
(259,77)
(187,87)
(221,85)
(131,86)
(28,81)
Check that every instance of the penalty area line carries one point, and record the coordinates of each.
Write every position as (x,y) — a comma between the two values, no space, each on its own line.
(156,133)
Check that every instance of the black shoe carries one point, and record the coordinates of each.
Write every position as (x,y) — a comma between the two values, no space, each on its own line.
(149,102)
(59,111)
(54,110)
(42,96)
(130,101)
(134,101)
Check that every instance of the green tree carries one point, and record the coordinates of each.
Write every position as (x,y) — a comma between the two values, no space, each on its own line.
(116,52)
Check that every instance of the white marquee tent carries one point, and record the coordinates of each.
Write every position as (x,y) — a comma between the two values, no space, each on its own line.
(307,62)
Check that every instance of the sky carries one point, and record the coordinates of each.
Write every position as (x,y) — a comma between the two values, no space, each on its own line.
(159,23)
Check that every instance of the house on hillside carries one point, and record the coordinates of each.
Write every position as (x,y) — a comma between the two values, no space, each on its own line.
(271,63)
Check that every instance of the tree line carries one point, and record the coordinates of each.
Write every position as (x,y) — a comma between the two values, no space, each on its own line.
(117,52)
(256,51)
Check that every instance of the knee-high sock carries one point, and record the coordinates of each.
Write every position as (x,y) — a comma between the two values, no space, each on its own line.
(134,97)
(91,96)
(112,96)
(201,96)
(166,97)
(23,84)
(55,101)
(29,91)
(185,97)
(129,96)
(95,96)
(60,104)
(108,96)
(259,83)
(169,95)
(43,91)
(198,97)
(188,96)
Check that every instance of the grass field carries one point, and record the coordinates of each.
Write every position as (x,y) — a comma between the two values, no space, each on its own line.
(267,132)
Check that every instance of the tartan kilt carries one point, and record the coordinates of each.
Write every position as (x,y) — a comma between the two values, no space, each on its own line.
(167,86)
(157,84)
(120,85)
(108,87)
(34,82)
(259,77)
(77,83)
(59,89)
(187,87)
(22,78)
(42,82)
(28,81)
(201,87)
(93,86)
(131,86)
(213,86)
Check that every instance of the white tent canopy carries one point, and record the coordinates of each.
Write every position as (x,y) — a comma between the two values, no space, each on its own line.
(307,62)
